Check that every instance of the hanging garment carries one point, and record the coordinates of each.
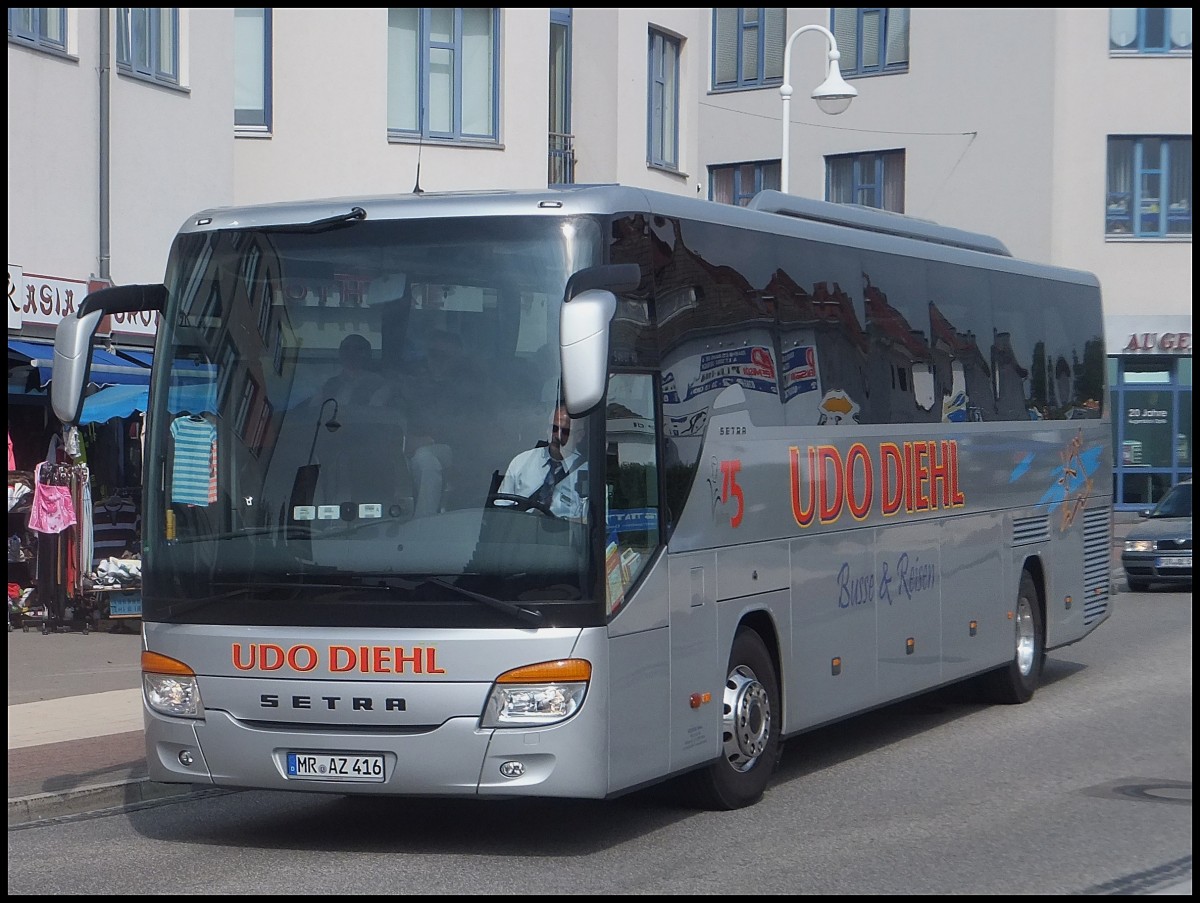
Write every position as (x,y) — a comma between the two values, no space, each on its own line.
(53,508)
(115,527)
(12,458)
(86,528)
(193,478)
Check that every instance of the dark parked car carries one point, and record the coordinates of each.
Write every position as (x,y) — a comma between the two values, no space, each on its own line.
(1159,548)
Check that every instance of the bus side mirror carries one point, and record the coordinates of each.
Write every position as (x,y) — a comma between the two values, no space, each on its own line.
(73,341)
(583,344)
(72,363)
(588,308)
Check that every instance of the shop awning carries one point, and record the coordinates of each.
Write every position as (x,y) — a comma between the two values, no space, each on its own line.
(122,401)
(108,369)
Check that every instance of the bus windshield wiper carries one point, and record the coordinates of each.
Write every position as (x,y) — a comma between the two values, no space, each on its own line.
(524,615)
(321,225)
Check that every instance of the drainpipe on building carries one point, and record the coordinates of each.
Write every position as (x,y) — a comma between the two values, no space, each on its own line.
(105,64)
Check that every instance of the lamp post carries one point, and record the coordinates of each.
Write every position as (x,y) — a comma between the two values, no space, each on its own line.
(833,95)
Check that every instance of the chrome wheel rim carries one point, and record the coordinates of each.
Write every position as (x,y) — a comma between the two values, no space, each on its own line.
(1026,640)
(746,724)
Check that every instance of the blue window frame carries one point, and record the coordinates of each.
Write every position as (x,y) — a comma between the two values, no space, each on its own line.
(737,183)
(1134,31)
(148,43)
(748,47)
(872,41)
(662,146)
(45,29)
(252,69)
(444,73)
(1149,187)
(873,179)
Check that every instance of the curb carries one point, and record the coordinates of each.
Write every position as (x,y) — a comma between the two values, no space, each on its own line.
(98,799)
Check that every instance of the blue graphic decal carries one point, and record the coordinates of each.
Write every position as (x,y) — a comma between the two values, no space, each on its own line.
(1021,468)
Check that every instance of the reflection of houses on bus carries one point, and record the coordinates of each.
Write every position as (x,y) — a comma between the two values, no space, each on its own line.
(1063,390)
(714,328)
(900,365)
(245,302)
(962,375)
(1009,378)
(823,349)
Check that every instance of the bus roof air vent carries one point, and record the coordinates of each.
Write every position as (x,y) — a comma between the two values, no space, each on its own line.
(870,219)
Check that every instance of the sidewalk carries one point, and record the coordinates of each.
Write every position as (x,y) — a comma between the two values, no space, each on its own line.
(75,720)
(75,740)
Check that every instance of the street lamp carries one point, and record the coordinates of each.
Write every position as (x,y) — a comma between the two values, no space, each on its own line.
(833,95)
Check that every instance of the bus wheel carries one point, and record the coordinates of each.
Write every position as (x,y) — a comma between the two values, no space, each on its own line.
(750,744)
(1016,682)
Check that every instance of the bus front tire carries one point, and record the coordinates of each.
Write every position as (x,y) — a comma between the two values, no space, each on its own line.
(750,722)
(1016,682)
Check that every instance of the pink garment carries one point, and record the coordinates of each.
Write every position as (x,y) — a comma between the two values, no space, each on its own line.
(53,509)
(12,459)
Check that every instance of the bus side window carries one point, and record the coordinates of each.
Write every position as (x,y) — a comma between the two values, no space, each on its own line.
(631,483)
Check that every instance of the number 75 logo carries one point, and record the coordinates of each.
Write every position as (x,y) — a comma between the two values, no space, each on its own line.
(731,490)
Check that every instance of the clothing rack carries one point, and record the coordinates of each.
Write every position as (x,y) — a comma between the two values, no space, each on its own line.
(64,556)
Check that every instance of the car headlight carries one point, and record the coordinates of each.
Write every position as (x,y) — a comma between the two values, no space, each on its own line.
(537,695)
(170,687)
(1139,545)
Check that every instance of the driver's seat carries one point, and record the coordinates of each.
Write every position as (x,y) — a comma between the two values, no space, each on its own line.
(494,488)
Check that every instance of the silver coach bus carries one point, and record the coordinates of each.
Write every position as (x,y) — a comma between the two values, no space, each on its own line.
(817,458)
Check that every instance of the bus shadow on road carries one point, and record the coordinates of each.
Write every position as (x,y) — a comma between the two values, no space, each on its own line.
(520,827)
(834,743)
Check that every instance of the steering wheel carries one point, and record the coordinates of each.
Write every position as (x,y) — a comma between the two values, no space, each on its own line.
(519,502)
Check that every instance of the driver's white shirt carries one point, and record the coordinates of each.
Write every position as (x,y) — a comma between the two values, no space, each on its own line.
(527,471)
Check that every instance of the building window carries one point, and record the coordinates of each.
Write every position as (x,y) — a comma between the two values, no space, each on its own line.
(748,47)
(663,138)
(252,69)
(1149,187)
(1152,426)
(871,41)
(45,29)
(443,73)
(738,183)
(873,180)
(561,167)
(148,44)
(1133,31)
(241,420)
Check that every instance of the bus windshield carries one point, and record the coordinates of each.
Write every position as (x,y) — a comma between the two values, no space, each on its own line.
(332,442)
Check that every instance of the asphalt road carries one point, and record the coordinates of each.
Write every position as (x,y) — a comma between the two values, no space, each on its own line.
(1086,790)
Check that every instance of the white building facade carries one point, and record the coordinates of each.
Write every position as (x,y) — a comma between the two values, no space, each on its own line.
(1066,133)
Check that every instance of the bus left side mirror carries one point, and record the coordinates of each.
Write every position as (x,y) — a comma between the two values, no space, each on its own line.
(583,341)
(72,361)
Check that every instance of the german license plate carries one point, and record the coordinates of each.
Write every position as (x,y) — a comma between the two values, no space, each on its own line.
(333,767)
(1174,561)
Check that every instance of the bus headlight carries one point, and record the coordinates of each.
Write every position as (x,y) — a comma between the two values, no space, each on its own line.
(539,694)
(170,687)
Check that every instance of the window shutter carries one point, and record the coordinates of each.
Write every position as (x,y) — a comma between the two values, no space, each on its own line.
(845,30)
(725,49)
(897,37)
(774,39)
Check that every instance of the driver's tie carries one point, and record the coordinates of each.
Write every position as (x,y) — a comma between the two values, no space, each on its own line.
(553,475)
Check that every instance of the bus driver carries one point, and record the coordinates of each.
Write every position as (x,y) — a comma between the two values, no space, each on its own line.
(554,474)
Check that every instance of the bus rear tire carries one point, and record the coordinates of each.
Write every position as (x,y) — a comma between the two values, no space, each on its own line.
(1017,681)
(750,742)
